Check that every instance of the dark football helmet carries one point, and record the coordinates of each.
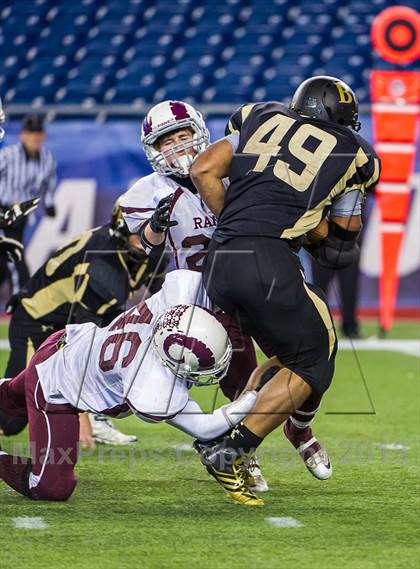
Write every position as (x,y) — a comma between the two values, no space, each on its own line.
(118,225)
(125,240)
(327,98)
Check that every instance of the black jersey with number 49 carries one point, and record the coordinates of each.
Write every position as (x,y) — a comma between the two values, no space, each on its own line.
(288,169)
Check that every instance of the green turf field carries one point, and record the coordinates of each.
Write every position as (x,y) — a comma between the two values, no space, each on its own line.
(153,506)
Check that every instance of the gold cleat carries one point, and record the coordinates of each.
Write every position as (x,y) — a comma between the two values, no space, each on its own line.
(231,476)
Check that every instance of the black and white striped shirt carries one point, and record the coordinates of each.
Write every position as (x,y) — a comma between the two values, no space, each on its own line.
(23,178)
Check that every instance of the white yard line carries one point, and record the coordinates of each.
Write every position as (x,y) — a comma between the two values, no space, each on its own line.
(394,446)
(30,523)
(284,522)
(409,347)
(183,446)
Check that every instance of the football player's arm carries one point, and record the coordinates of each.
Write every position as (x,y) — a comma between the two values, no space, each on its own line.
(86,439)
(153,232)
(137,205)
(146,215)
(339,248)
(208,171)
(370,172)
(208,426)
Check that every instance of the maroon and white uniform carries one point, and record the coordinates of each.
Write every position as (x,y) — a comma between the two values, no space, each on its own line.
(190,238)
(189,241)
(112,370)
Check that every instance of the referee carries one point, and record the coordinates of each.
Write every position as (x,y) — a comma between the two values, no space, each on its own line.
(27,171)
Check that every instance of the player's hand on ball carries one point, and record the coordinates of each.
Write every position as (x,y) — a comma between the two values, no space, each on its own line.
(318,233)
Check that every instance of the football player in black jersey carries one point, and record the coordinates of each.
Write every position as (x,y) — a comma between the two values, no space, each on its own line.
(295,172)
(89,279)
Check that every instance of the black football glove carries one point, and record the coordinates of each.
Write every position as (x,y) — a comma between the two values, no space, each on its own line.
(18,212)
(338,250)
(11,248)
(160,222)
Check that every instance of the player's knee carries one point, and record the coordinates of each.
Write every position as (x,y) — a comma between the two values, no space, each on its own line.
(58,490)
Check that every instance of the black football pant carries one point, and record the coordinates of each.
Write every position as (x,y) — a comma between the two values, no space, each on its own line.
(260,282)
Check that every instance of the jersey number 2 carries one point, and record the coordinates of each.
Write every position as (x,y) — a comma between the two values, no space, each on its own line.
(195,261)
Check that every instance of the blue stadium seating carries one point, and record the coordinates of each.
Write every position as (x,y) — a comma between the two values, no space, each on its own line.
(213,51)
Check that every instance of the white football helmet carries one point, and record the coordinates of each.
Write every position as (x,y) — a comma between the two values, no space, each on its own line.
(193,344)
(166,117)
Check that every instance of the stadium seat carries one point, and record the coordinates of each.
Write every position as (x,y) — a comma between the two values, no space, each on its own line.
(202,48)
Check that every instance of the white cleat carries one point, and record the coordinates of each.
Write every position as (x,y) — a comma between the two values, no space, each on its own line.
(313,454)
(257,482)
(319,464)
(103,431)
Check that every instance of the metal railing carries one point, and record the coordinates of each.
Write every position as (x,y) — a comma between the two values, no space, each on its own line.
(101,113)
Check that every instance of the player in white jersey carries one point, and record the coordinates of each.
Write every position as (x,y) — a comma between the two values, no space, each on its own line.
(165,209)
(173,133)
(188,238)
(143,363)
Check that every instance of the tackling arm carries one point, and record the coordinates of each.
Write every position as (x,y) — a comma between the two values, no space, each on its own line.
(207,172)
(208,426)
(338,247)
